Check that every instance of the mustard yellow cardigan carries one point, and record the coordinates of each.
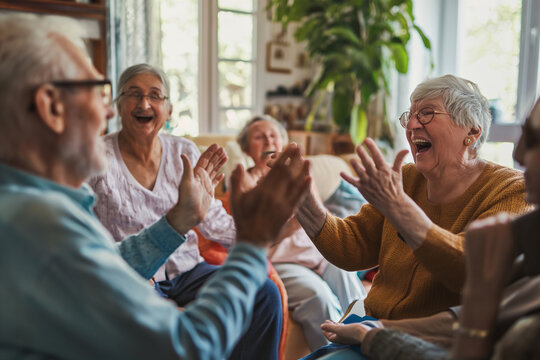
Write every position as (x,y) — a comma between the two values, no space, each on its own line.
(428,280)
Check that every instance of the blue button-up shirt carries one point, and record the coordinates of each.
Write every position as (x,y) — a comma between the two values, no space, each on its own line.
(68,291)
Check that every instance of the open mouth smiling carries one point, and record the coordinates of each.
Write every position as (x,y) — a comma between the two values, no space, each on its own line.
(143,118)
(421,145)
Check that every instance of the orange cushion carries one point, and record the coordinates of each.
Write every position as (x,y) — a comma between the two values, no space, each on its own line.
(215,254)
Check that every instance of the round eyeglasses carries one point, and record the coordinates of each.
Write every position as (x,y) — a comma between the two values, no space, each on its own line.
(137,96)
(424,116)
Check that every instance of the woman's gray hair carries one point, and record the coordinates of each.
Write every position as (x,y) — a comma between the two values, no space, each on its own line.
(138,69)
(30,56)
(242,138)
(462,99)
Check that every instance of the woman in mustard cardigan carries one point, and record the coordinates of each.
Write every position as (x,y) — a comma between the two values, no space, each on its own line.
(413,226)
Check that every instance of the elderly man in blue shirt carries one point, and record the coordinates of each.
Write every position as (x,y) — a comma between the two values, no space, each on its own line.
(68,291)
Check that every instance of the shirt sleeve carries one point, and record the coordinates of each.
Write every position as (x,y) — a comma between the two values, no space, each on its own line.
(148,250)
(218,225)
(387,344)
(109,312)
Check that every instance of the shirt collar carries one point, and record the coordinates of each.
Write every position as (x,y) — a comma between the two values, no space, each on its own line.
(13,178)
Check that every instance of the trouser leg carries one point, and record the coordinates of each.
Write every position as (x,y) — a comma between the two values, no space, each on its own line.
(311,301)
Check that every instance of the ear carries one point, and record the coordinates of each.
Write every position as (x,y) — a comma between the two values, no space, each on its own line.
(475,133)
(170,110)
(50,108)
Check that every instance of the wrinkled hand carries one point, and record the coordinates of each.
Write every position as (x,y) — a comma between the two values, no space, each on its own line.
(348,334)
(379,183)
(261,212)
(489,254)
(196,189)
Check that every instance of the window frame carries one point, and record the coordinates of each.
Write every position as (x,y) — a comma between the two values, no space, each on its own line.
(209,106)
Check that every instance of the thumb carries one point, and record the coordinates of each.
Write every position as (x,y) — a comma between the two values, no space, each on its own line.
(329,326)
(236,181)
(188,169)
(399,160)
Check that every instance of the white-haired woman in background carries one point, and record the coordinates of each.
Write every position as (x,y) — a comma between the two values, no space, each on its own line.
(316,289)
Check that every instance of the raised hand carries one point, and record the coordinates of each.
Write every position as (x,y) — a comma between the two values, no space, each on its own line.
(261,212)
(489,253)
(380,183)
(490,250)
(211,161)
(196,189)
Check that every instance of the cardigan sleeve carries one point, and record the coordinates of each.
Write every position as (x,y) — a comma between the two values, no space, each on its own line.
(388,344)
(352,243)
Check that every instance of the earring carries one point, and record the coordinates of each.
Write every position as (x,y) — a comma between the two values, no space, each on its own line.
(467,141)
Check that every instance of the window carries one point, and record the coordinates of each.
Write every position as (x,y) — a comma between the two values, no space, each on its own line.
(209,53)
(498,49)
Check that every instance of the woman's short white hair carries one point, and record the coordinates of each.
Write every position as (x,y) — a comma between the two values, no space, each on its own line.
(242,138)
(30,55)
(462,99)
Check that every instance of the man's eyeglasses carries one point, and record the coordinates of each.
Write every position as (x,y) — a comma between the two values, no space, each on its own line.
(424,116)
(153,97)
(105,87)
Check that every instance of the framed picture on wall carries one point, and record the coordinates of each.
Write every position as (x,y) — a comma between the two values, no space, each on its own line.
(278,57)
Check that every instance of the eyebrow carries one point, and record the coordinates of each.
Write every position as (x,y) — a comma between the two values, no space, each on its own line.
(135,87)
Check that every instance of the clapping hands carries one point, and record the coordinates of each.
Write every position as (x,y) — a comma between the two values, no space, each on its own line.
(261,212)
(196,189)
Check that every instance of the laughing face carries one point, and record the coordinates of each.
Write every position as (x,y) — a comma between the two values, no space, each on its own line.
(142,112)
(439,144)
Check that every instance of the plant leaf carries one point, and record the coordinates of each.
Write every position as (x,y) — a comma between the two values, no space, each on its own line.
(359,123)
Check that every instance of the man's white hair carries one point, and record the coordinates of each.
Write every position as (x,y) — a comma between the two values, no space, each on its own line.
(30,55)
(462,99)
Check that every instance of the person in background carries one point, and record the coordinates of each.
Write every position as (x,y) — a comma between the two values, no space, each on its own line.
(316,289)
(142,183)
(70,292)
(497,320)
(413,225)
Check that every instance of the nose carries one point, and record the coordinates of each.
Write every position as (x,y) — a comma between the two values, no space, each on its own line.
(413,123)
(144,102)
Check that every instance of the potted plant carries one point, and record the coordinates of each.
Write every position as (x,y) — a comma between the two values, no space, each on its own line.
(356,43)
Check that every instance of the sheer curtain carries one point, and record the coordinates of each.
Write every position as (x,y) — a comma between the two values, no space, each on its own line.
(134,37)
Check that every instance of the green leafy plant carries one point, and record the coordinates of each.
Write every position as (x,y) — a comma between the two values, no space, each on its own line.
(357,43)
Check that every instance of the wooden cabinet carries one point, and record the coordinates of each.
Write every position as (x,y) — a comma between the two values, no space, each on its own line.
(314,143)
(93,12)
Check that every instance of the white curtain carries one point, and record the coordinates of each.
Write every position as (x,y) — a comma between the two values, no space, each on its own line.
(134,37)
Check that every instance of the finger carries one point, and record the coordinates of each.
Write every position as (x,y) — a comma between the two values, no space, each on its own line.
(350,180)
(288,153)
(330,327)
(214,159)
(187,175)
(217,180)
(206,155)
(398,161)
(366,160)
(215,171)
(237,178)
(376,154)
(358,169)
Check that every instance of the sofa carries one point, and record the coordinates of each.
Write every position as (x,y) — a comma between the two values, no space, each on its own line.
(325,171)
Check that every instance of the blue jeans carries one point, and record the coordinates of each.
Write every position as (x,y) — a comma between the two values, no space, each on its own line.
(261,340)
